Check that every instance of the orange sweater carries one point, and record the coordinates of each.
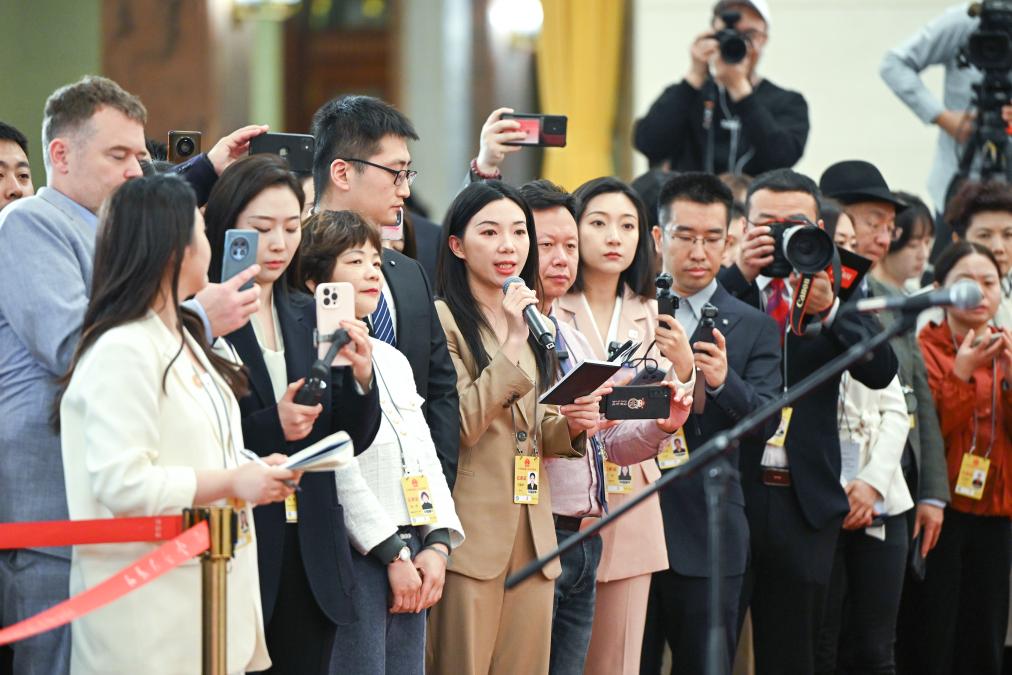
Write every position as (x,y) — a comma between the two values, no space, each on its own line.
(957,401)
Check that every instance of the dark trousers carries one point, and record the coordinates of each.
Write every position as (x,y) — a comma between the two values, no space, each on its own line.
(380,642)
(859,626)
(299,634)
(678,613)
(573,610)
(963,601)
(32,581)
(787,580)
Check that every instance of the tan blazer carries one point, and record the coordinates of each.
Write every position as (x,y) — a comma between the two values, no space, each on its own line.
(483,493)
(131,448)
(634,545)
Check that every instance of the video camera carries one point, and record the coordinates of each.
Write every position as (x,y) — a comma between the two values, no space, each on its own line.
(667,301)
(988,155)
(799,245)
(732,43)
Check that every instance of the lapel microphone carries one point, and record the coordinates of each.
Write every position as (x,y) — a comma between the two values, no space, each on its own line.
(535,322)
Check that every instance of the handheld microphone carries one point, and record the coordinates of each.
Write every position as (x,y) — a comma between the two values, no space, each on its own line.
(964,294)
(535,322)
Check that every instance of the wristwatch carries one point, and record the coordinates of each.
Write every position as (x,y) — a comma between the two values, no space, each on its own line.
(404,554)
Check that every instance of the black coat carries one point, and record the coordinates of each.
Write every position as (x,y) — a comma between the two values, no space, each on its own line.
(323,539)
(421,339)
(753,379)
(813,439)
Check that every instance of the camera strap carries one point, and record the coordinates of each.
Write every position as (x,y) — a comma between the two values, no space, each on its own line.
(802,297)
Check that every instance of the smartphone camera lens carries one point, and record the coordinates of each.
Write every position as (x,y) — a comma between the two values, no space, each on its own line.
(326,300)
(185,146)
(239,249)
(283,151)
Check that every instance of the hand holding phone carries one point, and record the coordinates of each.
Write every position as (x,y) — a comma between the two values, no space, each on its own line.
(335,302)
(240,253)
(540,130)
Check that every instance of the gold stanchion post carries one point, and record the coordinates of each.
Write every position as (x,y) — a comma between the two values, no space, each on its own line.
(221,524)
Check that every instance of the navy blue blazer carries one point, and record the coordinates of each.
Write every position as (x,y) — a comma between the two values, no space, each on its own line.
(323,539)
(813,440)
(753,379)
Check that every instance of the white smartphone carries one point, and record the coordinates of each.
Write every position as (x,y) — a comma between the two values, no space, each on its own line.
(335,302)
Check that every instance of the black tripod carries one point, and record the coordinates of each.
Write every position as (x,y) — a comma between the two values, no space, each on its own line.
(710,457)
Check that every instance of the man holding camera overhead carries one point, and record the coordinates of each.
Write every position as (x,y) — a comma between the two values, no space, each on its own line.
(793,498)
(737,353)
(724,117)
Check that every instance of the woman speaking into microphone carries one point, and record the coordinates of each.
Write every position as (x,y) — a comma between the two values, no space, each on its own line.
(150,426)
(479,627)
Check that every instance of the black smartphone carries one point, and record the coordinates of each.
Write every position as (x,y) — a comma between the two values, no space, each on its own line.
(297,149)
(548,131)
(918,565)
(183,145)
(637,403)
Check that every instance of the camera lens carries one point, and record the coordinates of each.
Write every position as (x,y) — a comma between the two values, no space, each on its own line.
(732,48)
(808,249)
(185,146)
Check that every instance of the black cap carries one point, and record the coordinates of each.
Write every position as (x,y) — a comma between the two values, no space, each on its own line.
(854,180)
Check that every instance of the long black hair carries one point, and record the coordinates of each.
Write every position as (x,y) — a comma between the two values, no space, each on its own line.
(451,273)
(639,276)
(240,184)
(143,232)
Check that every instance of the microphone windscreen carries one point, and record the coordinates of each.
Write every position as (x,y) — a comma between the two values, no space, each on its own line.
(512,280)
(966,294)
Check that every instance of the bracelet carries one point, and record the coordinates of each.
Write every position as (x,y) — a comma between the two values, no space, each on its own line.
(433,547)
(484,176)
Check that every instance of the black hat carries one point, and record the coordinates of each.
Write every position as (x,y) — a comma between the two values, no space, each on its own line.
(853,181)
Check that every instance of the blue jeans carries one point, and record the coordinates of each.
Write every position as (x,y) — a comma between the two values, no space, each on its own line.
(573,611)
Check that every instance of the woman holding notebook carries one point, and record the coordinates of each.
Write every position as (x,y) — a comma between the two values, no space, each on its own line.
(305,564)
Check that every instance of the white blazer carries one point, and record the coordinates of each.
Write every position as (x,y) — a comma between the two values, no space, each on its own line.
(878,421)
(380,464)
(132,448)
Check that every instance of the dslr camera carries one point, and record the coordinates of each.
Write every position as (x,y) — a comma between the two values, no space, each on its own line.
(799,245)
(733,44)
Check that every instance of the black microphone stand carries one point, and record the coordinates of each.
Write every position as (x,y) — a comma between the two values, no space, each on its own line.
(712,450)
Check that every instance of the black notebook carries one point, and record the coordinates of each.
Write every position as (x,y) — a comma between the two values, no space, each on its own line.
(580,381)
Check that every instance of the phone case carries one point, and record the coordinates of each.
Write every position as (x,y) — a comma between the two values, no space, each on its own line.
(297,149)
(394,232)
(240,253)
(335,302)
(542,130)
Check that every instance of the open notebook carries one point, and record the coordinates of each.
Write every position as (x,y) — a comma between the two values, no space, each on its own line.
(327,454)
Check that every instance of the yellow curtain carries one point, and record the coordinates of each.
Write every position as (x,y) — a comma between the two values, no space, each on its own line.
(578,60)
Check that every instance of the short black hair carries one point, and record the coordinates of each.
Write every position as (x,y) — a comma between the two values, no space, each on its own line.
(694,186)
(544,194)
(353,126)
(830,211)
(157,149)
(783,180)
(10,133)
(975,197)
(914,220)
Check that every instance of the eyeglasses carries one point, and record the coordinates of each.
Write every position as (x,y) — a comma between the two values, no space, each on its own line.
(400,175)
(710,242)
(879,226)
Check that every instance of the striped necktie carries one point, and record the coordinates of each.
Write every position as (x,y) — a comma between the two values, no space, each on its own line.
(382,324)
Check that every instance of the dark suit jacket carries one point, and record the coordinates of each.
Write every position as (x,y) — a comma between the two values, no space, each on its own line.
(753,379)
(421,339)
(427,237)
(813,442)
(926,440)
(323,539)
